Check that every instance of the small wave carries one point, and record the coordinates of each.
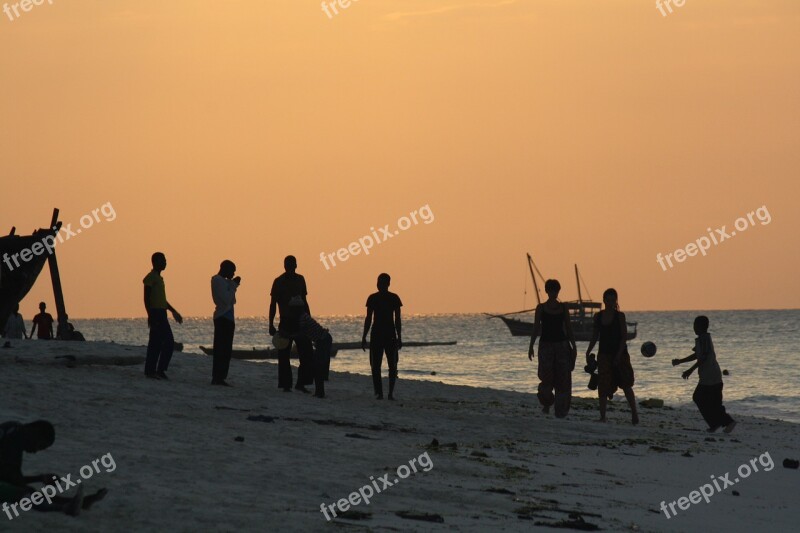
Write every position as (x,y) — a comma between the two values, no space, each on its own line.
(768,398)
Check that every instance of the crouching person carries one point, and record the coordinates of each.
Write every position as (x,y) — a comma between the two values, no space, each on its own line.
(15,492)
(323,343)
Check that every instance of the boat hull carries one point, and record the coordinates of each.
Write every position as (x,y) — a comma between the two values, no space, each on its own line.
(17,281)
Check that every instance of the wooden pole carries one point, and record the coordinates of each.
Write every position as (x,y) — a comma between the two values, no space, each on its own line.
(61,309)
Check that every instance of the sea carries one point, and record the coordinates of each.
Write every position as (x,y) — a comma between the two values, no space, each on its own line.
(757,348)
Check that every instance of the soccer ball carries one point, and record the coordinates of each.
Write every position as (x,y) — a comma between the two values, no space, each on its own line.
(648,349)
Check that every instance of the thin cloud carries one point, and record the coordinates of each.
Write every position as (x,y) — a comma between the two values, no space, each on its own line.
(401,15)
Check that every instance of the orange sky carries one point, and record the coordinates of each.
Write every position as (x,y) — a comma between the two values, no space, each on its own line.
(600,133)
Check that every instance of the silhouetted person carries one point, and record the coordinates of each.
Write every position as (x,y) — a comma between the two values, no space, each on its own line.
(45,323)
(223,292)
(384,334)
(69,333)
(289,296)
(557,351)
(73,334)
(16,438)
(161,343)
(614,368)
(708,394)
(323,343)
(15,325)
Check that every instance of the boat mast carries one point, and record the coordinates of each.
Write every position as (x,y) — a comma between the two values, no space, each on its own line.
(533,277)
(578,281)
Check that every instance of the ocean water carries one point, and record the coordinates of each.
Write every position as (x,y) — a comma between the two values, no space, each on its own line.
(758,348)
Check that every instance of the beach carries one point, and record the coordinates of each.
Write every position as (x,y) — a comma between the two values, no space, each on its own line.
(498,463)
(497,187)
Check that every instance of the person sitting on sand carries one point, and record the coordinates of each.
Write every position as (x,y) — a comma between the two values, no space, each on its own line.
(708,393)
(384,334)
(613,360)
(323,342)
(69,333)
(16,438)
(45,323)
(557,351)
(161,343)
(15,325)
(73,334)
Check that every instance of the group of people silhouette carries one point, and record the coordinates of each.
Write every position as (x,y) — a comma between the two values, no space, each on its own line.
(558,353)
(556,361)
(15,327)
(296,328)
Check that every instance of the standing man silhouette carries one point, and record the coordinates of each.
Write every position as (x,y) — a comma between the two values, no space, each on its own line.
(223,292)
(384,334)
(44,321)
(288,295)
(161,343)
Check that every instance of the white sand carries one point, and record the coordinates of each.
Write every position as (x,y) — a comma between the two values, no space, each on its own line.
(178,467)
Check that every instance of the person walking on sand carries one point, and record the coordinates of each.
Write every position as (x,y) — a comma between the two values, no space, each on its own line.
(708,393)
(557,351)
(15,325)
(223,292)
(288,296)
(613,360)
(44,321)
(384,334)
(161,342)
(16,438)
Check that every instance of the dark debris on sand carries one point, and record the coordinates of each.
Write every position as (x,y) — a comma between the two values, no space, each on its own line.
(424,517)
(434,445)
(544,508)
(573,523)
(357,436)
(337,423)
(353,514)
(500,491)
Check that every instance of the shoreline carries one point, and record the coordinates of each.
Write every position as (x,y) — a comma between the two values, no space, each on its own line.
(179,467)
(360,315)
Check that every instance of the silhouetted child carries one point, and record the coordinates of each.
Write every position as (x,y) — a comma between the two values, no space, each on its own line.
(708,394)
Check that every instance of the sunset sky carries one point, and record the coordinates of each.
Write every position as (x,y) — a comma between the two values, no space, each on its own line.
(598,133)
